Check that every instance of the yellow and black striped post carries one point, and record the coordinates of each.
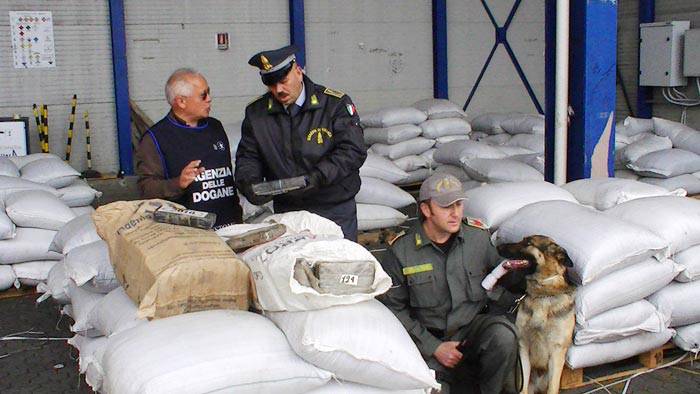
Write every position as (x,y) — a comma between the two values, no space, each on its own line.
(45,128)
(87,140)
(71,121)
(35,111)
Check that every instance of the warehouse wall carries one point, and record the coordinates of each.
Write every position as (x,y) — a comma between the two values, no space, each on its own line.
(162,37)
(470,38)
(627,47)
(83,67)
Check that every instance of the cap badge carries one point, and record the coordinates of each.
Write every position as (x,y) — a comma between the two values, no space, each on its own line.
(443,183)
(266,63)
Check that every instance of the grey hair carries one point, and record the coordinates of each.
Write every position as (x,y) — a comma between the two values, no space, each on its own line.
(178,83)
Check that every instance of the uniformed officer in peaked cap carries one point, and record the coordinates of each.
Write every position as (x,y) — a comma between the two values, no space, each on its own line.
(299,128)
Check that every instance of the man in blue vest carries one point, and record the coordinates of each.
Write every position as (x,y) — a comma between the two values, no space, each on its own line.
(301,129)
(185,157)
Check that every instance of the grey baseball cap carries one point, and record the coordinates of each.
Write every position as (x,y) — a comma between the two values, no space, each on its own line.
(444,189)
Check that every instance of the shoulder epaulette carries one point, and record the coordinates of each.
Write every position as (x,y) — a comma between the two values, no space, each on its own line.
(396,237)
(474,222)
(254,100)
(334,93)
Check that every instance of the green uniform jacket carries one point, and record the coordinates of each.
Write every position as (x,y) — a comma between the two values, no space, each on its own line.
(435,291)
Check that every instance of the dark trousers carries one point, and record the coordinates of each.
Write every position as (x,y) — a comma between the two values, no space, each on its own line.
(488,361)
(344,214)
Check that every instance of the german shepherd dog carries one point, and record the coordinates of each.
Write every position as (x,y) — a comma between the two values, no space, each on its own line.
(545,319)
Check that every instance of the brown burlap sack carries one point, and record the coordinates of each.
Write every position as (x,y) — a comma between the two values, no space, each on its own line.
(168,269)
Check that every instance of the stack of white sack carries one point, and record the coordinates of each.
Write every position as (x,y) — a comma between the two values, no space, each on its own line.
(677,221)
(487,163)
(660,152)
(379,199)
(319,290)
(613,321)
(605,193)
(395,134)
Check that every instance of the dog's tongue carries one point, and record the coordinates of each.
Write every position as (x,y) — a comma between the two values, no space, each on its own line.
(516,264)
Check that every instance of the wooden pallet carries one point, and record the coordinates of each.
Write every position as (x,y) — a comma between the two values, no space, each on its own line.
(574,378)
(13,292)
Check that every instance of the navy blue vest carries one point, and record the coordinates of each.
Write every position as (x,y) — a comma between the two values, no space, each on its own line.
(213,190)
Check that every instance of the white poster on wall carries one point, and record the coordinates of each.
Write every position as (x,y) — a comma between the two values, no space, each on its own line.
(32,39)
(13,137)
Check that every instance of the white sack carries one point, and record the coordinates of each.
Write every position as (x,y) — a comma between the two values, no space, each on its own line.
(626,174)
(688,182)
(688,338)
(87,347)
(490,122)
(680,301)
(637,149)
(494,203)
(30,244)
(392,116)
(8,168)
(621,322)
(441,127)
(114,313)
(337,386)
(666,163)
(372,217)
(79,194)
(605,193)
(509,151)
(596,243)
(603,353)
(299,221)
(414,146)
(413,162)
(391,135)
(8,230)
(524,124)
(500,170)
(94,375)
(52,172)
(497,139)
(417,176)
(478,135)
(363,343)
(450,138)
(379,192)
(33,272)
(82,302)
(272,266)
(439,108)
(682,136)
(89,266)
(77,232)
(56,285)
(9,185)
(226,351)
(455,152)
(80,211)
(429,157)
(675,219)
(377,166)
(21,161)
(7,277)
(690,259)
(37,209)
(533,142)
(623,287)
(534,160)
(633,126)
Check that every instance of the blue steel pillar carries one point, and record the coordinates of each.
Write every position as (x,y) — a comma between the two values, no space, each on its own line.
(440,86)
(592,60)
(121,86)
(644,93)
(297,30)
(550,34)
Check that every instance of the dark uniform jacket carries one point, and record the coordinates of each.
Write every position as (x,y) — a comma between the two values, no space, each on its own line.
(324,138)
(436,292)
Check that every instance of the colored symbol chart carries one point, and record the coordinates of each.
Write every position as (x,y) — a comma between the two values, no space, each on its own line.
(32,39)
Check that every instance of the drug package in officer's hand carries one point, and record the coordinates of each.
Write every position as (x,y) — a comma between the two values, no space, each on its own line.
(279,186)
(184,217)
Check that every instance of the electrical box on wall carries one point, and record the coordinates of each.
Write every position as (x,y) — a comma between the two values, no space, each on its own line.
(691,53)
(661,53)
